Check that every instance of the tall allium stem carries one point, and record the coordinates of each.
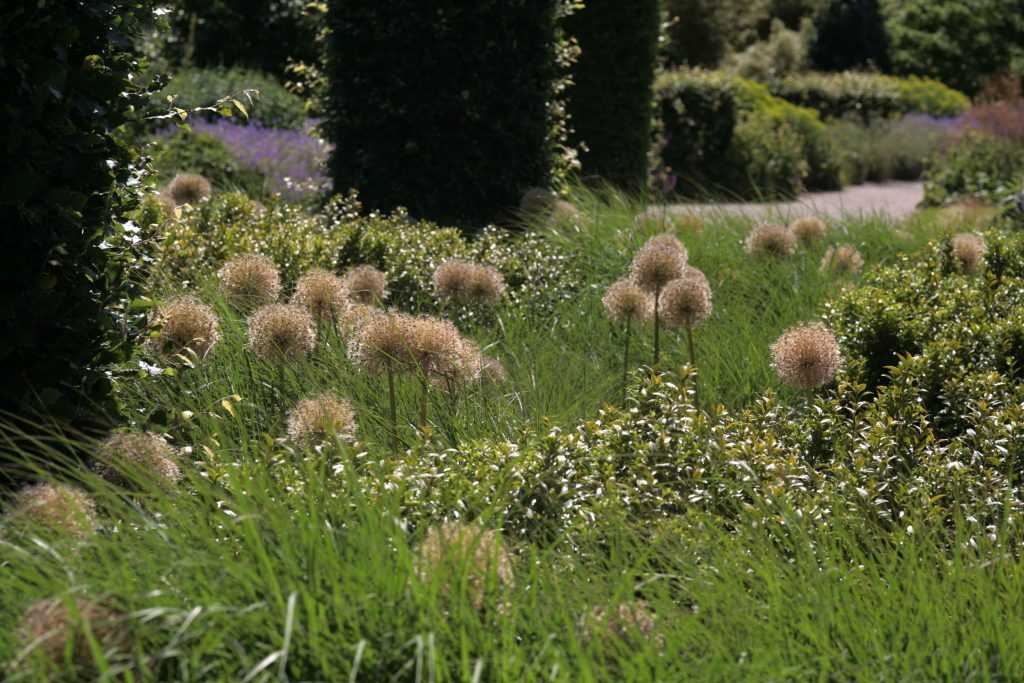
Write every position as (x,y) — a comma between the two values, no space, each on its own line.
(657,327)
(689,342)
(625,359)
(394,409)
(424,398)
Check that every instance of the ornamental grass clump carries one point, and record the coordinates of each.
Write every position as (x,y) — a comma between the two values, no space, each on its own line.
(807,356)
(366,285)
(138,453)
(687,303)
(322,293)
(842,259)
(184,324)
(323,416)
(281,332)
(625,302)
(188,188)
(58,636)
(467,551)
(62,509)
(808,230)
(249,281)
(968,252)
(466,282)
(661,260)
(768,240)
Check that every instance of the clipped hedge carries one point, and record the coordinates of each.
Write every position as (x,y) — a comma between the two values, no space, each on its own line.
(730,136)
(609,103)
(869,95)
(444,108)
(67,77)
(976,166)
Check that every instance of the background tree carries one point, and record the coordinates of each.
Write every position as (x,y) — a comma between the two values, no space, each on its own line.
(850,34)
(610,103)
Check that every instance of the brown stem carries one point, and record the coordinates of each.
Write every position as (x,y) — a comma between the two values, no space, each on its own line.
(423,403)
(625,360)
(657,327)
(394,409)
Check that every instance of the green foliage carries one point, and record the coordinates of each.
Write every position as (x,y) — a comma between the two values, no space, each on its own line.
(727,134)
(869,95)
(264,35)
(609,104)
(63,203)
(275,107)
(782,54)
(850,34)
(959,42)
(976,165)
(187,151)
(884,149)
(465,85)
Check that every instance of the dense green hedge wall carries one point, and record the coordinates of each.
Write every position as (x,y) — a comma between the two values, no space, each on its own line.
(258,34)
(609,103)
(66,80)
(441,107)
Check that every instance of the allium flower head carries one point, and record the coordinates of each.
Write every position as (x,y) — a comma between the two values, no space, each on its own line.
(537,201)
(436,347)
(968,252)
(468,282)
(661,260)
(808,230)
(686,302)
(322,293)
(61,508)
(146,453)
(493,371)
(807,356)
(281,332)
(315,419)
(467,547)
(250,280)
(628,621)
(366,285)
(843,259)
(624,301)
(188,188)
(354,317)
(771,240)
(51,628)
(383,343)
(184,323)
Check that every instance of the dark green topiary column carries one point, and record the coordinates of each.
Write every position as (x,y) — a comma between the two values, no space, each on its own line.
(441,106)
(610,103)
(850,34)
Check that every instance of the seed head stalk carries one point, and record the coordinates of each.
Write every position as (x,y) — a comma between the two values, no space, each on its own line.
(625,359)
(391,404)
(657,326)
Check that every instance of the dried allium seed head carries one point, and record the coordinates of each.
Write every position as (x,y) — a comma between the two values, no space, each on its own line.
(843,259)
(366,285)
(564,212)
(317,418)
(143,452)
(383,343)
(808,230)
(468,282)
(968,252)
(771,240)
(624,301)
(353,318)
(61,508)
(281,332)
(469,548)
(250,280)
(661,260)
(627,621)
(321,293)
(184,323)
(807,356)
(537,201)
(436,347)
(686,302)
(51,628)
(492,371)
(188,188)
(690,223)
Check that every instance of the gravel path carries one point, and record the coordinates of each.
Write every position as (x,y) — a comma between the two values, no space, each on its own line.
(896,199)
